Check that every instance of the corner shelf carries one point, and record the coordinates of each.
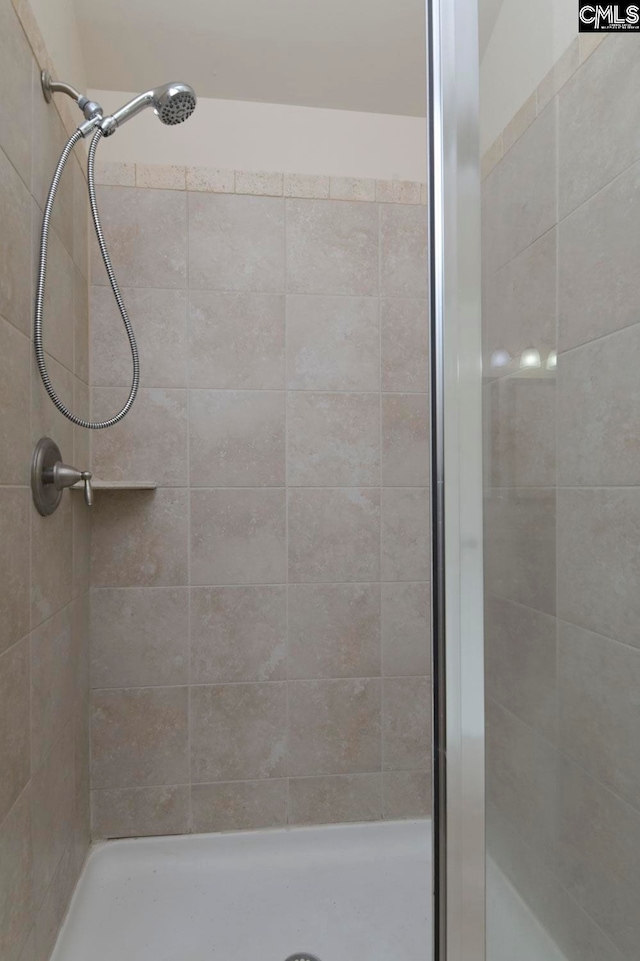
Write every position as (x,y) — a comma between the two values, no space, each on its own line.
(100,485)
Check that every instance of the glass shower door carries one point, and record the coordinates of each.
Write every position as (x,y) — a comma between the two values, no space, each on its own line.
(561,432)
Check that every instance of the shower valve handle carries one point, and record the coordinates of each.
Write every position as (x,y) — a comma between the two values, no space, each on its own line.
(62,475)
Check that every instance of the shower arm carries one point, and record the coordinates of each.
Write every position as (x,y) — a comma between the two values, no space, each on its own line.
(92,110)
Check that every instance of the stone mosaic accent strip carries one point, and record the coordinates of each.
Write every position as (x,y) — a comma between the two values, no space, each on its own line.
(258,183)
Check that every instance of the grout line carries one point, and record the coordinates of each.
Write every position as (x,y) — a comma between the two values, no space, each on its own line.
(188,454)
(380,478)
(259,683)
(286,522)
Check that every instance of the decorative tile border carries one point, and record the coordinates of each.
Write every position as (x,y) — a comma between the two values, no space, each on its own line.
(579,50)
(258,183)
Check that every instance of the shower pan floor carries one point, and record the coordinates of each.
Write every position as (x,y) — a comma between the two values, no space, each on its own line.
(340,893)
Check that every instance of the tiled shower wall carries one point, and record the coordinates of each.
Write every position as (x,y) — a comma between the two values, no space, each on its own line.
(44,562)
(260,623)
(561,236)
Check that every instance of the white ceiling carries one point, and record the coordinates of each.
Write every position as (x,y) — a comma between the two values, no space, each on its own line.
(346,54)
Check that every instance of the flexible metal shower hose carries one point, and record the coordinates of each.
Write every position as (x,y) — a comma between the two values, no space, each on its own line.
(42,272)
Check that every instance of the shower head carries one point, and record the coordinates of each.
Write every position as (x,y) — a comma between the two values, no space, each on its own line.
(172,103)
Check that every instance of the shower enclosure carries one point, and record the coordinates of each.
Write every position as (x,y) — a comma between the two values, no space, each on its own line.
(341,658)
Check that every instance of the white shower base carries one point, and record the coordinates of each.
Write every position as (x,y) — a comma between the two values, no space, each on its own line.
(358,892)
(342,893)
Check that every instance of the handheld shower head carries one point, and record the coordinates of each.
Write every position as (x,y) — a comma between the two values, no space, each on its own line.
(173,103)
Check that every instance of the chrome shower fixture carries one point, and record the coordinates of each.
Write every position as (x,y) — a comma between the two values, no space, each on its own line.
(172,102)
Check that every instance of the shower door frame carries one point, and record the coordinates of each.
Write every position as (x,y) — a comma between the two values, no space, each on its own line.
(456,480)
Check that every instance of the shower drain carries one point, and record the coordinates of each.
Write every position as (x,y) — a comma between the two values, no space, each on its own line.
(302,956)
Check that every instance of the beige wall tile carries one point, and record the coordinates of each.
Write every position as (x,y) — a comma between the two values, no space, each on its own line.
(492,156)
(139,636)
(80,326)
(51,560)
(15,112)
(54,905)
(599,847)
(211,180)
(140,811)
(58,313)
(259,183)
(588,42)
(406,723)
(596,138)
(238,537)
(406,794)
(140,539)
(405,440)
(593,301)
(237,438)
(52,813)
(334,534)
(238,634)
(147,231)
(115,173)
(53,676)
(519,305)
(150,444)
(220,226)
(81,215)
(520,659)
(239,805)
(598,563)
(403,251)
(405,544)
(522,772)
(521,431)
(332,343)
(599,709)
(14,565)
(306,185)
(576,934)
(352,188)
(15,752)
(15,434)
(81,526)
(405,344)
(333,439)
(334,630)
(519,195)
(236,340)
(521,120)
(598,443)
(334,726)
(326,800)
(520,546)
(16,879)
(332,248)
(46,421)
(560,73)
(238,732)
(165,176)
(406,629)
(15,244)
(139,737)
(398,192)
(159,319)
(49,139)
